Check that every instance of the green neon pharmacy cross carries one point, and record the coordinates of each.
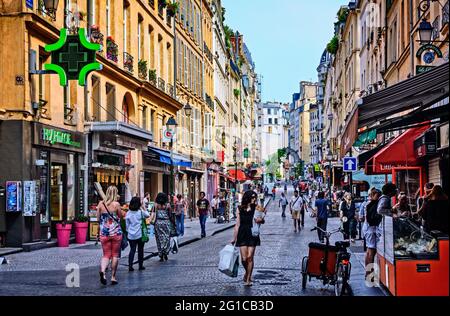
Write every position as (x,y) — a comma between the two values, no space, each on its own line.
(73,57)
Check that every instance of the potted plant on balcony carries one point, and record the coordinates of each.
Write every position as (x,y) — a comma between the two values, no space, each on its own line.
(63,234)
(142,69)
(81,227)
(162,3)
(112,50)
(172,8)
(152,75)
(236,92)
(333,45)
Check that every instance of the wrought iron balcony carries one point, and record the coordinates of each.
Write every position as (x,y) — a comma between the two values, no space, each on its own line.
(170,90)
(209,101)
(128,62)
(96,37)
(208,52)
(112,49)
(151,3)
(161,85)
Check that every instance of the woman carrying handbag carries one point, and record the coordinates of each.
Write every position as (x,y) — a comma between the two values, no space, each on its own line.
(137,232)
(109,213)
(163,225)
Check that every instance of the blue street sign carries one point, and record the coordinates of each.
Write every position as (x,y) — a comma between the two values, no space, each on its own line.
(350,164)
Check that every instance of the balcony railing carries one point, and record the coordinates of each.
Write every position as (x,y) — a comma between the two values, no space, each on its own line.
(161,85)
(170,90)
(209,101)
(160,8)
(208,52)
(128,62)
(96,37)
(112,50)
(151,3)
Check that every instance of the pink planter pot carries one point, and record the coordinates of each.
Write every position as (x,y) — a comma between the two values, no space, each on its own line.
(81,230)
(63,234)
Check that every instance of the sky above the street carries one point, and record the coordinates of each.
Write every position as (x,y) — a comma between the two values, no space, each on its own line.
(286,39)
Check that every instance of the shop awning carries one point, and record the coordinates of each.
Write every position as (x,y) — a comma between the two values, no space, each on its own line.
(165,157)
(240,176)
(398,153)
(366,156)
(419,91)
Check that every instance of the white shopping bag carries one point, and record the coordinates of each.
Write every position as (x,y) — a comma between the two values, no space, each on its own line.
(229,261)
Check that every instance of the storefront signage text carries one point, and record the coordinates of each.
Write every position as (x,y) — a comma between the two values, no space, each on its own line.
(53,136)
(432,47)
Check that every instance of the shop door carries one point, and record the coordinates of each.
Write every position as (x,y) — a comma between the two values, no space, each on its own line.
(410,181)
(58,193)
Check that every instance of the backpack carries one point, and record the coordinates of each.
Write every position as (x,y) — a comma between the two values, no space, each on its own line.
(372,216)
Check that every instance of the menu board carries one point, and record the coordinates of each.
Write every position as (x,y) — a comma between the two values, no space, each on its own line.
(13,196)
(29,198)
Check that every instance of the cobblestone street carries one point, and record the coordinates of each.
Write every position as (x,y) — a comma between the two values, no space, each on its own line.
(193,271)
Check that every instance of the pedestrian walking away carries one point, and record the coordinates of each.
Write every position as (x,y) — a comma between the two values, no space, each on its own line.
(322,207)
(180,211)
(296,205)
(242,235)
(203,206)
(371,227)
(283,204)
(163,225)
(134,218)
(274,193)
(109,213)
(347,209)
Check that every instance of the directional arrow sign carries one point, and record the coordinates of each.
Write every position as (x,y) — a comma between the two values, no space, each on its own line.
(350,164)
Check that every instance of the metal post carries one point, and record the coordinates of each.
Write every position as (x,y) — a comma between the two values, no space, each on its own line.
(172,180)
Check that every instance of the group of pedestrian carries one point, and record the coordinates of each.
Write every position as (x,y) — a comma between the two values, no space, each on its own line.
(118,227)
(431,213)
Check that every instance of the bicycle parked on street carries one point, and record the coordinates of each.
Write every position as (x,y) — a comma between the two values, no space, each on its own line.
(328,263)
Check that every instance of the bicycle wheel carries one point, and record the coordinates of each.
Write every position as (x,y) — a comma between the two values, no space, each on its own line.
(341,280)
(304,272)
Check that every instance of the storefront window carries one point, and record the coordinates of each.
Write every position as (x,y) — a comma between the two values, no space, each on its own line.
(71,186)
(408,181)
(56,192)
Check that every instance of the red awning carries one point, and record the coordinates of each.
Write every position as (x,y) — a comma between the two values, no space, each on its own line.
(240,175)
(398,153)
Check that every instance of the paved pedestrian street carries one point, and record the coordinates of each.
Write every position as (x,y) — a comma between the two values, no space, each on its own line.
(193,271)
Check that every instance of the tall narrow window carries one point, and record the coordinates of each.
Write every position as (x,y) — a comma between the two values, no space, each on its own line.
(152,121)
(140,39)
(95,98)
(126,25)
(110,102)
(161,56)
(108,17)
(151,54)
(169,63)
(144,118)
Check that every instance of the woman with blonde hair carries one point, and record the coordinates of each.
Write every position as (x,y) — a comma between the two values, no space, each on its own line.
(109,213)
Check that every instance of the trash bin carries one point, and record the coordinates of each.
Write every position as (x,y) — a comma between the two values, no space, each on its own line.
(63,234)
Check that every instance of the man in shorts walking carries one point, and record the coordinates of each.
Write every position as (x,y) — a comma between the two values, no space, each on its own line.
(296,206)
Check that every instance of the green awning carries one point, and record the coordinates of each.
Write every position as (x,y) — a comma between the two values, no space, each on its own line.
(365,138)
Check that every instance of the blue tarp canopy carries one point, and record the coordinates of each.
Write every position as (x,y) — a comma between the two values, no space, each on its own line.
(178,160)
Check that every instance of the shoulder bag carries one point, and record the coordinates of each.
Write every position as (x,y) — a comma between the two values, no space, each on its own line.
(124,243)
(144,229)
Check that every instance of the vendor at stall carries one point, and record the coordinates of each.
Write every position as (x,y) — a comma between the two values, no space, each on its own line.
(434,211)
(402,208)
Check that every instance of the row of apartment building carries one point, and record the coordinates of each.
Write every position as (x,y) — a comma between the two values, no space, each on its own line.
(381,83)
(376,45)
(161,60)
